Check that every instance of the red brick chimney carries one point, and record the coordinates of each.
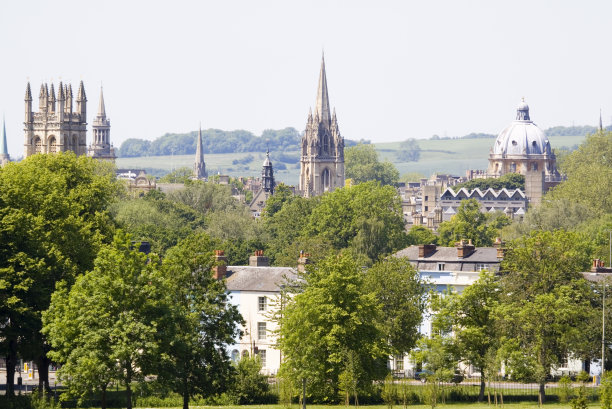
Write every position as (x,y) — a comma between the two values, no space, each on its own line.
(464,249)
(303,260)
(258,259)
(599,267)
(500,246)
(426,250)
(220,267)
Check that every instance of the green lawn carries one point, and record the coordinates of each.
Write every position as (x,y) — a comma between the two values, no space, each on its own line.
(452,406)
(453,156)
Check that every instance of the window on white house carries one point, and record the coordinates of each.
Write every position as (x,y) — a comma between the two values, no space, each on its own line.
(440,266)
(399,363)
(262,357)
(262,303)
(261,330)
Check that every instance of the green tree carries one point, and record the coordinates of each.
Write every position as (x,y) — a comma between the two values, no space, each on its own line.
(109,325)
(203,322)
(53,220)
(362,165)
(366,217)
(546,305)
(469,317)
(282,194)
(180,175)
(330,317)
(438,355)
(421,235)
(250,386)
(508,181)
(401,294)
(470,223)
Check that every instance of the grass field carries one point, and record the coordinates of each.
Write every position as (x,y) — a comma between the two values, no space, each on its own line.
(453,156)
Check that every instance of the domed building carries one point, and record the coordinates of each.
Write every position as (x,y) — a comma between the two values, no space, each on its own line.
(522,147)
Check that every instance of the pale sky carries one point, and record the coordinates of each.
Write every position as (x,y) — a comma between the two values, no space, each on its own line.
(395,69)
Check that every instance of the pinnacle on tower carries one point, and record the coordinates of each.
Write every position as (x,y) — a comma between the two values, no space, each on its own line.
(81,95)
(101,107)
(28,93)
(322,105)
(60,92)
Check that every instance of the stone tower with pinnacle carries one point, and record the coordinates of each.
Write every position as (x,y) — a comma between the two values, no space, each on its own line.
(267,175)
(101,147)
(199,167)
(56,127)
(322,158)
(4,156)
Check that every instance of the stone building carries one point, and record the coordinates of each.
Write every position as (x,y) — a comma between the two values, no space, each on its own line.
(58,126)
(101,147)
(322,157)
(522,147)
(513,203)
(199,167)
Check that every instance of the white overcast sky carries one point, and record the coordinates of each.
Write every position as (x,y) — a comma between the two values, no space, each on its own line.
(395,69)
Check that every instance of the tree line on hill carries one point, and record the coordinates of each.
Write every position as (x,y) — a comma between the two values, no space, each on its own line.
(75,291)
(216,141)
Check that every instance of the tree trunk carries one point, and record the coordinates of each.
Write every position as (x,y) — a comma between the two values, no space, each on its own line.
(11,362)
(128,386)
(103,403)
(43,373)
(482,388)
(542,393)
(304,393)
(185,399)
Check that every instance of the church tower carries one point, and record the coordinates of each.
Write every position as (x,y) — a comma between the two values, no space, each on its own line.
(101,147)
(4,156)
(199,167)
(55,127)
(267,175)
(322,159)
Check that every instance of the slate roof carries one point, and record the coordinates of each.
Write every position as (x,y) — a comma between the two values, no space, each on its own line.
(258,279)
(448,256)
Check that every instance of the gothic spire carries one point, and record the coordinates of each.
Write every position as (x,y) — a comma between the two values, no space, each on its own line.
(322,105)
(60,92)
(101,107)
(199,167)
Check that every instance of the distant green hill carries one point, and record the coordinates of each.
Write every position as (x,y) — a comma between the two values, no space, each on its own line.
(453,156)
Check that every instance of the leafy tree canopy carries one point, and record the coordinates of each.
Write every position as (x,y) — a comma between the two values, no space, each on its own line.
(361,165)
(508,181)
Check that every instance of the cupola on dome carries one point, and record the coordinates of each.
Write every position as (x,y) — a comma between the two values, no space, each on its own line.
(522,137)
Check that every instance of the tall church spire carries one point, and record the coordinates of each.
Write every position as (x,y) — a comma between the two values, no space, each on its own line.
(101,107)
(199,167)
(600,121)
(4,156)
(322,106)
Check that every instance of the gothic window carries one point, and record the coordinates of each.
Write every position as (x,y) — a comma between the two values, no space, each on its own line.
(326,149)
(325,180)
(513,167)
(37,144)
(534,166)
(52,144)
(74,144)
(235,355)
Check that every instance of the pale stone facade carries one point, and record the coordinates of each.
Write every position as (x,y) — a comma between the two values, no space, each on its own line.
(522,147)
(322,158)
(56,127)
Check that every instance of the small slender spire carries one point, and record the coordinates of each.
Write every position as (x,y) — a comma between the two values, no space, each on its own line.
(600,121)
(3,145)
(28,93)
(101,107)
(322,105)
(60,92)
(199,167)
(41,94)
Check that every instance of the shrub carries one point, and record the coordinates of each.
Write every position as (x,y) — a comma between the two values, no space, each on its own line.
(605,391)
(565,389)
